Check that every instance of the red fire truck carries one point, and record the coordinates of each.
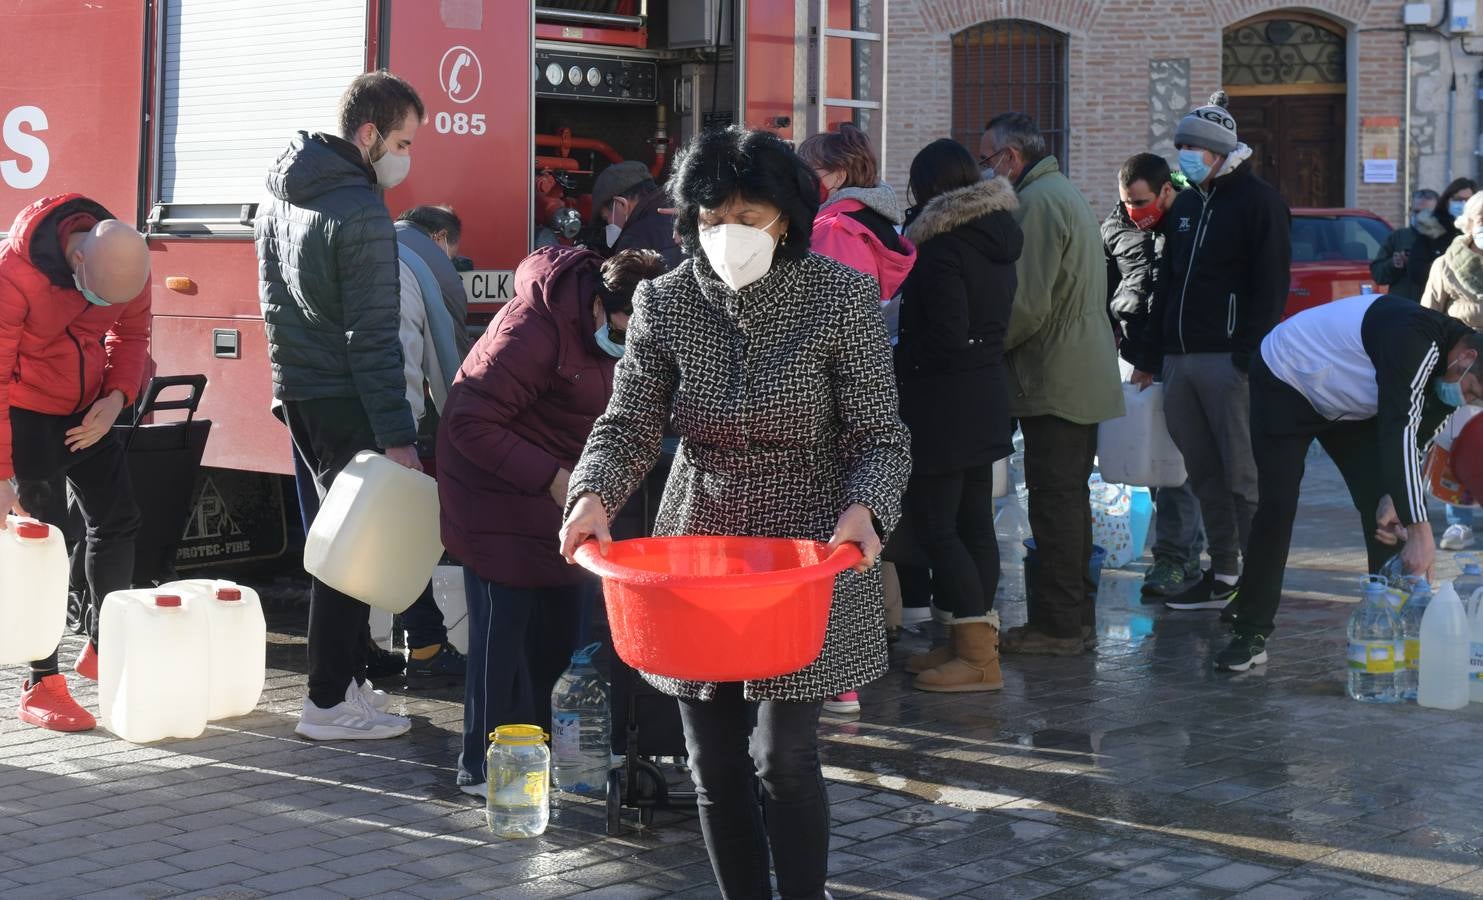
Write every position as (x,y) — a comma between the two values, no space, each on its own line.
(169,112)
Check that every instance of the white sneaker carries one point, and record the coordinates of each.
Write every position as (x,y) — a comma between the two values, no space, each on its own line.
(380,701)
(1456,537)
(352,720)
(480,790)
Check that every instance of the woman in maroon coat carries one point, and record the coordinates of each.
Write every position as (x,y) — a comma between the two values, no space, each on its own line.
(516,419)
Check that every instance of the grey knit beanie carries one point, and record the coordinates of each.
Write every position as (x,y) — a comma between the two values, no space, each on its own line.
(1210,127)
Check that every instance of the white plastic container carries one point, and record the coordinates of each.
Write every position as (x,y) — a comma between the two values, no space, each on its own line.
(452,599)
(153,658)
(33,590)
(376,536)
(1001,477)
(1442,682)
(381,629)
(1136,449)
(237,667)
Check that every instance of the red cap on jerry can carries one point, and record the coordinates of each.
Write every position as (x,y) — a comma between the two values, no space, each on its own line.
(228,593)
(32,531)
(166,600)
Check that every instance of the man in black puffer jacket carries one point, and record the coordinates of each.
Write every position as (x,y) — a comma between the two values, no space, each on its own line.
(1222,286)
(330,292)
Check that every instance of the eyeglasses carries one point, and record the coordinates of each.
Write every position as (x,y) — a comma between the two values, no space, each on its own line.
(986,163)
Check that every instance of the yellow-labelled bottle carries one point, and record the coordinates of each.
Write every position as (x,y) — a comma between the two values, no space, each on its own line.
(519,773)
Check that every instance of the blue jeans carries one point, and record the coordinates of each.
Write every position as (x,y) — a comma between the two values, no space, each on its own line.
(422,620)
(1460,515)
(520,641)
(731,740)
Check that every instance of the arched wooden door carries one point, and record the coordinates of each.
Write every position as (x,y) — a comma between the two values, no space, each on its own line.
(1286,74)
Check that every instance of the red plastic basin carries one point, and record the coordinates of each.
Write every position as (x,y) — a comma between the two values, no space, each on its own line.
(705,608)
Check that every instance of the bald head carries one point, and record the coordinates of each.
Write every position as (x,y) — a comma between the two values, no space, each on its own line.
(111,261)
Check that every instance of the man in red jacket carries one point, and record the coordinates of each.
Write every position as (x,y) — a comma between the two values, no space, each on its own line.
(74,340)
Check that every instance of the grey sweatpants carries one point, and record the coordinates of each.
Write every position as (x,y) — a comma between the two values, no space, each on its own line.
(1208,407)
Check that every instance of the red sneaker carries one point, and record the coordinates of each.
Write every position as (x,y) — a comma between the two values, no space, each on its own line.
(50,705)
(87,662)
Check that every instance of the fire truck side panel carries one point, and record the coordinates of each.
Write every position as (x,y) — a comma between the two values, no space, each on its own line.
(71,81)
(472,66)
(768,61)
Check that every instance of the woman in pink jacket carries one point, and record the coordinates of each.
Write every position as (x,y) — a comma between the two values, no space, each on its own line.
(858,224)
(859,216)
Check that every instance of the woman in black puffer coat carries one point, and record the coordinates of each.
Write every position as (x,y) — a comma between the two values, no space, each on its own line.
(955,399)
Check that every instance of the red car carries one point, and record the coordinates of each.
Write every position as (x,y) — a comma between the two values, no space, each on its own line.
(1331,253)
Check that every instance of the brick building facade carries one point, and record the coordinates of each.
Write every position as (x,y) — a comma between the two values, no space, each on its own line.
(1319,85)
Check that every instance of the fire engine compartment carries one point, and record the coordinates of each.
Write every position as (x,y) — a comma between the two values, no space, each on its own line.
(623,80)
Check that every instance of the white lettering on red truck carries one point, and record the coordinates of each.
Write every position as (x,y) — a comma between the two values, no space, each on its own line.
(29,168)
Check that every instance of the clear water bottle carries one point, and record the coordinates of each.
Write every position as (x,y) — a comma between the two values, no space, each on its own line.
(1415,607)
(1373,635)
(1469,580)
(581,726)
(518,768)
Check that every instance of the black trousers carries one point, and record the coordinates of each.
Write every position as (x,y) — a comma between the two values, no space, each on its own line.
(1058,463)
(328,434)
(729,740)
(1283,425)
(954,514)
(99,477)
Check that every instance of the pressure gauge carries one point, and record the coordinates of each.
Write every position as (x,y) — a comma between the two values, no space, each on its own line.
(594,77)
(574,75)
(554,73)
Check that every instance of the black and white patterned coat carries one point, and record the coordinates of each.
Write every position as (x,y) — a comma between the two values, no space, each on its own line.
(783,396)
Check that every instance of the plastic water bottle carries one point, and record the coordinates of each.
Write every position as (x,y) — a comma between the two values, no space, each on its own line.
(1475,654)
(581,726)
(1373,633)
(1442,681)
(1411,615)
(518,768)
(1469,581)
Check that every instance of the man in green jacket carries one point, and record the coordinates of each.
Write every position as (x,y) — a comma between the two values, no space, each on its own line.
(1063,378)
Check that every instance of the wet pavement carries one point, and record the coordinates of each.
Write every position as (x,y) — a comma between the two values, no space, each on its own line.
(1132,770)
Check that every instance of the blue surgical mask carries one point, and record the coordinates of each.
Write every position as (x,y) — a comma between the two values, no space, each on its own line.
(1192,164)
(1450,392)
(87,295)
(609,346)
(1455,208)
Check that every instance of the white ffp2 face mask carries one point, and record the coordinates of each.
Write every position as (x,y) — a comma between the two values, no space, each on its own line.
(611,232)
(739,254)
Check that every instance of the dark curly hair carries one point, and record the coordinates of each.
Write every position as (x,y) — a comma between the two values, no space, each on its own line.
(757,166)
(622,273)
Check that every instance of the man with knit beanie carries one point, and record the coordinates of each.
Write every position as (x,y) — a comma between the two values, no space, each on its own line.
(1222,286)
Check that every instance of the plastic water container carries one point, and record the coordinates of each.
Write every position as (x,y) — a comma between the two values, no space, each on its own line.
(238,646)
(581,727)
(376,537)
(518,768)
(452,599)
(153,656)
(1136,448)
(33,590)
(1442,680)
(1411,614)
(1469,579)
(1475,654)
(1374,635)
(1001,477)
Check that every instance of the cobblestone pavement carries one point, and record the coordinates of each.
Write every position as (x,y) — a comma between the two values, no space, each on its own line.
(1134,770)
